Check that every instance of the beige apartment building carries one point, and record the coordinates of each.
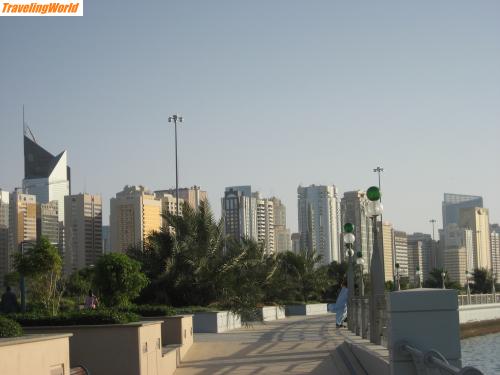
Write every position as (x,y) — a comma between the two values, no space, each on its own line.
(135,213)
(455,263)
(265,222)
(4,232)
(83,231)
(192,196)
(386,247)
(47,222)
(415,260)
(477,219)
(282,237)
(22,222)
(168,205)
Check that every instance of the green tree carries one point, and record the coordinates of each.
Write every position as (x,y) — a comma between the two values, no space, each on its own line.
(336,273)
(118,279)
(42,266)
(79,283)
(435,280)
(482,281)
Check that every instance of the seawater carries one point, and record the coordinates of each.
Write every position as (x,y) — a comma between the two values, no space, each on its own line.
(482,352)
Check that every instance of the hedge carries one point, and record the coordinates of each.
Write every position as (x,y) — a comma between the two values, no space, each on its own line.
(9,328)
(83,317)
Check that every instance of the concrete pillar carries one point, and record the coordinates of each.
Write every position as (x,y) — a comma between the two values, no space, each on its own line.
(425,319)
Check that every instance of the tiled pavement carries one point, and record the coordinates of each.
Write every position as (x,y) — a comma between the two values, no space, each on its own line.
(297,345)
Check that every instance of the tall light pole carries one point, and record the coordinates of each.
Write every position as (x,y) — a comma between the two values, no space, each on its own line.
(398,278)
(374,209)
(443,277)
(176,118)
(418,274)
(433,222)
(349,239)
(379,170)
(468,276)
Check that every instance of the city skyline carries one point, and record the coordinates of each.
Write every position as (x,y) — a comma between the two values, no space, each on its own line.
(322,93)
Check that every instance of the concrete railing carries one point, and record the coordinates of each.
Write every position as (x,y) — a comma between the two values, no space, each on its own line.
(478,299)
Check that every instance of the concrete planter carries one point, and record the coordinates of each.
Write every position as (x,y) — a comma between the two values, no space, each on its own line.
(176,331)
(125,349)
(35,354)
(307,309)
(215,322)
(270,313)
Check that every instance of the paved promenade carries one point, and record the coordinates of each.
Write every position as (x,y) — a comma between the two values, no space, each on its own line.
(297,345)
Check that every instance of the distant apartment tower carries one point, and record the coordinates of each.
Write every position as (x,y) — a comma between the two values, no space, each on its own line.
(168,206)
(415,260)
(401,252)
(453,203)
(239,212)
(47,222)
(192,196)
(477,219)
(455,238)
(353,210)
(106,239)
(295,242)
(427,246)
(4,233)
(282,238)
(46,176)
(83,231)
(318,221)
(265,222)
(22,222)
(135,213)
(386,246)
(495,249)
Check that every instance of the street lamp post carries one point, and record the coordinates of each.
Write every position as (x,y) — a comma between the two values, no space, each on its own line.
(493,291)
(418,274)
(443,276)
(349,239)
(398,278)
(176,118)
(374,209)
(361,263)
(468,277)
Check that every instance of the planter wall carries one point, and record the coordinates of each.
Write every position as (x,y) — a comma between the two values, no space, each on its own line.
(176,330)
(270,313)
(309,309)
(35,354)
(125,349)
(215,322)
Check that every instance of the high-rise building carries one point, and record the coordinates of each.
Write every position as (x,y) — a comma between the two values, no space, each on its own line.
(295,242)
(428,247)
(401,252)
(495,249)
(22,222)
(46,176)
(318,225)
(192,196)
(4,232)
(455,263)
(353,210)
(282,240)
(106,239)
(455,238)
(168,206)
(452,203)
(386,248)
(415,259)
(239,211)
(47,222)
(83,231)
(477,219)
(265,222)
(135,213)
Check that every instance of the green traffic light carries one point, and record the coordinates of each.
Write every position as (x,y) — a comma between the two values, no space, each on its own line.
(373,193)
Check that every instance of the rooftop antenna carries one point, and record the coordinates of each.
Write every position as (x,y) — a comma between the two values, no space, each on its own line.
(26,127)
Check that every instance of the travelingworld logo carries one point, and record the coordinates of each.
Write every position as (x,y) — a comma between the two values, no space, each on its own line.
(41,8)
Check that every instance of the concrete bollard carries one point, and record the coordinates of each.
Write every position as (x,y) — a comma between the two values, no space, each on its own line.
(425,319)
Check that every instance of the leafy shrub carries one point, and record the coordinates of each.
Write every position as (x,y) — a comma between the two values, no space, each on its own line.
(195,309)
(83,317)
(9,328)
(151,310)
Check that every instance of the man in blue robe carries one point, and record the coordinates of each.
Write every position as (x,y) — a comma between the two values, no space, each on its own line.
(340,307)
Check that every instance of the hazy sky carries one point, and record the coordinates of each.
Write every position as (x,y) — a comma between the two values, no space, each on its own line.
(274,94)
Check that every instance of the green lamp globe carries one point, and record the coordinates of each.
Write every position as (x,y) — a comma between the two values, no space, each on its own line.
(373,193)
(348,228)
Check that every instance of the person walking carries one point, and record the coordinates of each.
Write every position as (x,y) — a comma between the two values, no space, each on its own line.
(91,301)
(340,307)
(9,302)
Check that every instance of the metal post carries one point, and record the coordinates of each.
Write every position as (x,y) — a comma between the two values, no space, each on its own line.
(377,287)
(176,118)
(443,276)
(350,284)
